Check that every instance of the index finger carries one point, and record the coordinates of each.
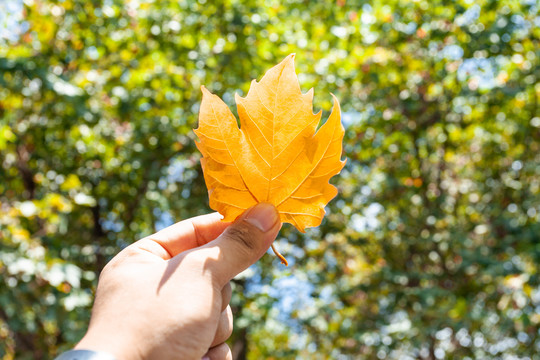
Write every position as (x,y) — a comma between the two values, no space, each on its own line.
(189,234)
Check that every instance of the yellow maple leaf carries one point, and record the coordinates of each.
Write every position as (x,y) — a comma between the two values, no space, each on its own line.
(276,156)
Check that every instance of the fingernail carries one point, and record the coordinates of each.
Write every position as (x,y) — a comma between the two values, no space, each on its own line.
(205,358)
(264,216)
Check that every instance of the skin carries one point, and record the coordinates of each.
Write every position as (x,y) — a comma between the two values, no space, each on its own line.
(167,296)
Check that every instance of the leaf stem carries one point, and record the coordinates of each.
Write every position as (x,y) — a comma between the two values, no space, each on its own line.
(281,257)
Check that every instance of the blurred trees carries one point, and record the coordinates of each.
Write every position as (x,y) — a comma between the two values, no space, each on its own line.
(431,248)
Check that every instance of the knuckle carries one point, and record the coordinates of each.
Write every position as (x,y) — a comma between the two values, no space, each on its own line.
(112,270)
(226,293)
(108,269)
(228,332)
(116,265)
(128,252)
(230,317)
(225,327)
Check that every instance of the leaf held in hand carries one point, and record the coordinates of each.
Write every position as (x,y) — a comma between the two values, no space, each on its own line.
(276,155)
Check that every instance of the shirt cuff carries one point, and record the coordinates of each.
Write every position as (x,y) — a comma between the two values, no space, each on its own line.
(85,355)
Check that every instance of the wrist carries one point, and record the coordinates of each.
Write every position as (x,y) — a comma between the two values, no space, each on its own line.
(85,355)
(107,343)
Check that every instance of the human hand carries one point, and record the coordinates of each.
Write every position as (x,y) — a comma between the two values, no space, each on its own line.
(166,296)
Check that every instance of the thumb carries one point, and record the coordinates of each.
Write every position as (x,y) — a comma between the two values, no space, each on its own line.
(245,241)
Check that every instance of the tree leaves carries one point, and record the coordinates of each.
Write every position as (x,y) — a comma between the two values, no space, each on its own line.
(276,155)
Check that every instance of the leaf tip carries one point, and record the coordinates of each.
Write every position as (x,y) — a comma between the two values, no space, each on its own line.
(205,91)
(292,56)
(335,98)
(289,58)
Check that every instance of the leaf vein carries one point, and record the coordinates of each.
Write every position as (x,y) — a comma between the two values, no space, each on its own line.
(230,154)
(315,167)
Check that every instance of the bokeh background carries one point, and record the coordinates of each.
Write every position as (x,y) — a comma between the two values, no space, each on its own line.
(430,250)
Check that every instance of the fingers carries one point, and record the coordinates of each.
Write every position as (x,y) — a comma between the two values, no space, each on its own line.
(184,235)
(225,327)
(220,352)
(226,294)
(243,242)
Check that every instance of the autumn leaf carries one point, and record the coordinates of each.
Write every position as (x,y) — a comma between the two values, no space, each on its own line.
(276,155)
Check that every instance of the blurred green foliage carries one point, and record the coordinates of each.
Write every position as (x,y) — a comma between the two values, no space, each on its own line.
(430,251)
